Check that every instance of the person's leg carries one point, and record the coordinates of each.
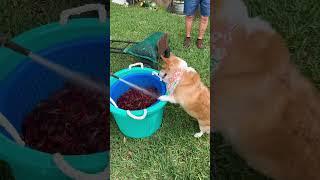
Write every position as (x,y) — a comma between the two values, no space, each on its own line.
(205,13)
(203,26)
(189,20)
(190,7)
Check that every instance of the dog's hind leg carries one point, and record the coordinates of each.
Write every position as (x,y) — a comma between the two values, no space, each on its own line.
(203,130)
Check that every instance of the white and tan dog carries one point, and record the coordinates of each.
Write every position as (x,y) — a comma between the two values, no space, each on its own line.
(263,106)
(186,89)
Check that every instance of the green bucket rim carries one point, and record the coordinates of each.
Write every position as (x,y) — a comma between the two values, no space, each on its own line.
(150,109)
(74,29)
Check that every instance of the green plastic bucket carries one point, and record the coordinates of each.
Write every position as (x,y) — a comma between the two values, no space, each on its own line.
(138,123)
(27,163)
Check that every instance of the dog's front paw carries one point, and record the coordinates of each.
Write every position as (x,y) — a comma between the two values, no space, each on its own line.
(199,134)
(163,98)
(167,98)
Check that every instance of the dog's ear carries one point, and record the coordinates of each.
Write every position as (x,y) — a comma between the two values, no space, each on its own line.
(166,60)
(163,44)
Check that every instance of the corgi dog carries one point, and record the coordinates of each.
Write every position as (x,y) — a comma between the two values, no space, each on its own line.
(186,89)
(263,106)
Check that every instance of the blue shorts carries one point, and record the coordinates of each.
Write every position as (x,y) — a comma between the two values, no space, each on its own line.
(190,7)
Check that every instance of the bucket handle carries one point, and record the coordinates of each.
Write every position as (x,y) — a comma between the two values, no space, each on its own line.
(145,112)
(113,103)
(157,74)
(71,172)
(129,112)
(5,123)
(136,64)
(65,15)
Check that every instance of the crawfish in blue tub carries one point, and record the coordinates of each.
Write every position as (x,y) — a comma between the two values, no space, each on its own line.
(136,100)
(73,121)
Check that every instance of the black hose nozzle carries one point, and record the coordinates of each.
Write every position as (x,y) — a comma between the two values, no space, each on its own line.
(5,42)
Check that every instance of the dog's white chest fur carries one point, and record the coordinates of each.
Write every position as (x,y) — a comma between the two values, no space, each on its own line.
(173,81)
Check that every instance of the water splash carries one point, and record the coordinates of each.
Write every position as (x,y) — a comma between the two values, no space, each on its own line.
(136,87)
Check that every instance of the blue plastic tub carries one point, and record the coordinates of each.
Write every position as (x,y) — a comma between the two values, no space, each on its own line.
(29,83)
(138,123)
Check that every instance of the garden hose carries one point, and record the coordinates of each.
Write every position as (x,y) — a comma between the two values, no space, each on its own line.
(134,86)
(5,123)
(70,75)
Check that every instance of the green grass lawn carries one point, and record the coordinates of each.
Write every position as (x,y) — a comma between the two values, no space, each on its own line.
(173,152)
(298,22)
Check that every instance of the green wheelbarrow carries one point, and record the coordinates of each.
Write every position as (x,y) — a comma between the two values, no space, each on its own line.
(146,51)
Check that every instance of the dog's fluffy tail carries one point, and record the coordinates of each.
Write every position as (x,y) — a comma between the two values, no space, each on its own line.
(235,12)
